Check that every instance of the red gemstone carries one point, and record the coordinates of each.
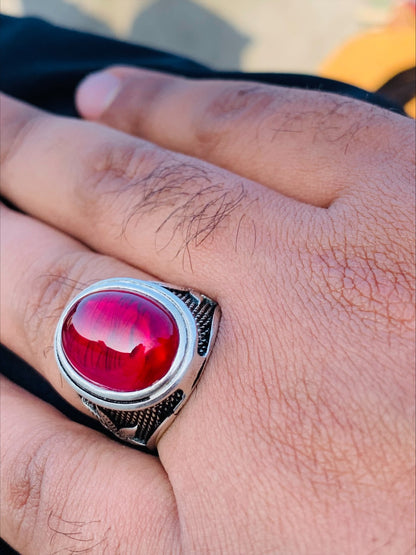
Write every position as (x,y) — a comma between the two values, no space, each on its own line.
(120,340)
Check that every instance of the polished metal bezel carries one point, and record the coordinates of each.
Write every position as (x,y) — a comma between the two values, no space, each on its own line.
(185,366)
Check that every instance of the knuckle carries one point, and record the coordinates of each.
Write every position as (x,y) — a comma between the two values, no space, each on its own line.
(23,491)
(19,126)
(240,100)
(35,482)
(352,126)
(130,176)
(325,119)
(189,202)
(45,496)
(108,169)
(230,105)
(268,113)
(361,130)
(193,207)
(50,292)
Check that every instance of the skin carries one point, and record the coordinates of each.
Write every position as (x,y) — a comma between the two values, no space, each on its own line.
(295,211)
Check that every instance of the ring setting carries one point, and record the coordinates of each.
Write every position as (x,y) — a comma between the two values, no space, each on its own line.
(134,350)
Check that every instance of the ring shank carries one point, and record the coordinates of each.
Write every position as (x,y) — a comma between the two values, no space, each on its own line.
(137,427)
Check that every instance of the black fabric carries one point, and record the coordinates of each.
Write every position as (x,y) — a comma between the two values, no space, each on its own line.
(42,64)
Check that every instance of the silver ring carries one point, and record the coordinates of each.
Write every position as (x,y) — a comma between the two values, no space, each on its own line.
(134,351)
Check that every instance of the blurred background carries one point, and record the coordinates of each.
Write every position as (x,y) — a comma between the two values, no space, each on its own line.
(364,42)
(260,35)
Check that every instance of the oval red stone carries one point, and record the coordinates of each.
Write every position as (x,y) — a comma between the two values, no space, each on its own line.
(120,340)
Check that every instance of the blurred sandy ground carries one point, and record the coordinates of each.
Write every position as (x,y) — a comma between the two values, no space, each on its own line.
(255,35)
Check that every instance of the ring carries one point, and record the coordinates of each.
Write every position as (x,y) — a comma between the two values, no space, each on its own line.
(134,351)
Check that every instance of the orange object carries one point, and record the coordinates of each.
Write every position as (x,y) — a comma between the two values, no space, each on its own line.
(382,59)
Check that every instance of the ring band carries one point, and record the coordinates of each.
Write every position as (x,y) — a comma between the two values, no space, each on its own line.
(134,350)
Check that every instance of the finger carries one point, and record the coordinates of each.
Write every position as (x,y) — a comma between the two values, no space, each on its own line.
(69,489)
(276,136)
(174,216)
(42,270)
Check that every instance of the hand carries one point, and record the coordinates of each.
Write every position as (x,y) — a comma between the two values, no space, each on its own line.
(294,210)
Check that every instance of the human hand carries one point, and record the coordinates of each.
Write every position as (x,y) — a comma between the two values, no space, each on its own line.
(292,209)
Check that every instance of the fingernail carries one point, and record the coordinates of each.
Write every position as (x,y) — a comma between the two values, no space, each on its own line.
(96,92)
